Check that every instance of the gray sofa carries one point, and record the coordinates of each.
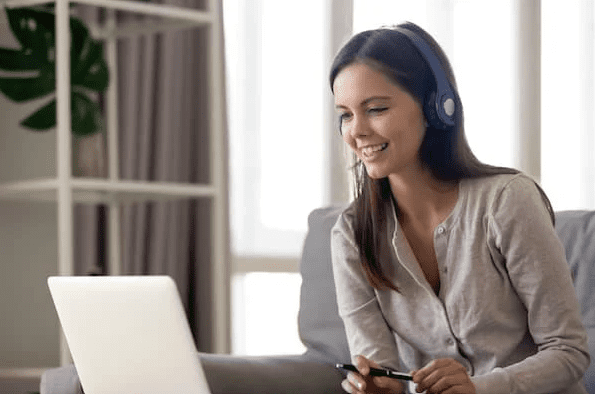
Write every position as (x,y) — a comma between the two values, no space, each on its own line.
(321,328)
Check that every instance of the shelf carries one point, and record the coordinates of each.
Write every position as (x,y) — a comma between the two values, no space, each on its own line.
(64,191)
(166,11)
(22,373)
(103,191)
(177,18)
(132,29)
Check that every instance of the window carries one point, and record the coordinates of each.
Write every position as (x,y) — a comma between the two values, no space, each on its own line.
(489,107)
(265,316)
(275,89)
(482,41)
(567,98)
(278,141)
(484,65)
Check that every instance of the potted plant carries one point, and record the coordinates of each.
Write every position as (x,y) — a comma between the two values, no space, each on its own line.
(32,69)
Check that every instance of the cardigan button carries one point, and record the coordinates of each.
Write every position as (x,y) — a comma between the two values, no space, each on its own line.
(441,230)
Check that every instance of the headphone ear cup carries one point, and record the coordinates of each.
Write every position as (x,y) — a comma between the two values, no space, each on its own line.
(430,111)
(436,114)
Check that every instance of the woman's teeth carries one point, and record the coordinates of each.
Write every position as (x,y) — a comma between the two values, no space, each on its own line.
(370,150)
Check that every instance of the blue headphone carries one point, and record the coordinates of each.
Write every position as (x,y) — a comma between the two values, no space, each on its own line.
(440,107)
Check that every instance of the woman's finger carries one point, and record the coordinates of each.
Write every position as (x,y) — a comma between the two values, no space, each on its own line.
(365,383)
(363,364)
(357,381)
(441,375)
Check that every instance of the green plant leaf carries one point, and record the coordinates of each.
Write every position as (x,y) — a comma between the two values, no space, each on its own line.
(34,28)
(35,31)
(80,43)
(86,116)
(24,89)
(15,60)
(96,75)
(43,119)
(91,69)
(88,68)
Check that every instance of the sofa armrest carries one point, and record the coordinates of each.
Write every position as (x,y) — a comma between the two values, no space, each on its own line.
(63,380)
(234,375)
(269,375)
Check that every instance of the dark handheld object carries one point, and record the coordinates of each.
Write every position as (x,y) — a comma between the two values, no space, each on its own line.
(377,372)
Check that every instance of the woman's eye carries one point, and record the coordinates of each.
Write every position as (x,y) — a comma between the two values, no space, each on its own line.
(377,110)
(343,117)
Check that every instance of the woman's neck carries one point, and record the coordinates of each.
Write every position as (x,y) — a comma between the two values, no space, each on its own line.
(423,199)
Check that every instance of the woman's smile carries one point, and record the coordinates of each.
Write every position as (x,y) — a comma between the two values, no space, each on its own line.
(372,151)
(381,122)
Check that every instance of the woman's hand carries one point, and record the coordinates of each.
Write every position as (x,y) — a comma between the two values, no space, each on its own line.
(363,383)
(443,376)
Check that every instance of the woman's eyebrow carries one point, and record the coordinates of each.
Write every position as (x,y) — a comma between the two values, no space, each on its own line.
(366,101)
(374,98)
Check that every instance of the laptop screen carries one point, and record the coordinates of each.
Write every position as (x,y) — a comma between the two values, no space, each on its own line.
(128,334)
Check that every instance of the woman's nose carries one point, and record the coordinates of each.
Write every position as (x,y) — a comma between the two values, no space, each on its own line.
(358,127)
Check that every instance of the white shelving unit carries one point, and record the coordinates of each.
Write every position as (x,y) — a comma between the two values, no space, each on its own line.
(67,190)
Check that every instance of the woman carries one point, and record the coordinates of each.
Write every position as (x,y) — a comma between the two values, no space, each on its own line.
(444,266)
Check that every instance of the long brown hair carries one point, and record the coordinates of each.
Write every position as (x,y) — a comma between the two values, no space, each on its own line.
(446,153)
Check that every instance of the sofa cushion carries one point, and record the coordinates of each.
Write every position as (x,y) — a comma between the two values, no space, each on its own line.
(320,327)
(63,380)
(576,229)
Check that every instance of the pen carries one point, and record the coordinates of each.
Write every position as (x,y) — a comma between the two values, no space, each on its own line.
(377,372)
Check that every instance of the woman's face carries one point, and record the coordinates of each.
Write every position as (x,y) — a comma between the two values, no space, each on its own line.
(382,123)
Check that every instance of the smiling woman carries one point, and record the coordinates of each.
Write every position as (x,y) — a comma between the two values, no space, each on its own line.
(433,233)
(383,124)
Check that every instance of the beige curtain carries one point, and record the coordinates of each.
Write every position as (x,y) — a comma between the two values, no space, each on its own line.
(163,136)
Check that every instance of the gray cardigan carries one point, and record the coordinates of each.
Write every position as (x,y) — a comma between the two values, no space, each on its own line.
(506,309)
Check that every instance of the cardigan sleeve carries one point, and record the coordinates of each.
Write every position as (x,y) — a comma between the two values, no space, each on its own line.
(522,231)
(367,332)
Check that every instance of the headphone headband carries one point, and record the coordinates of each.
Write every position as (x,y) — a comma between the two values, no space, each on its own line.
(440,108)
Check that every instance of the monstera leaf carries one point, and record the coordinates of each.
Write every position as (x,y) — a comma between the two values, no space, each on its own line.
(34,72)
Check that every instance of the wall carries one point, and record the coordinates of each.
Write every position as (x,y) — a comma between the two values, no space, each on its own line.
(29,328)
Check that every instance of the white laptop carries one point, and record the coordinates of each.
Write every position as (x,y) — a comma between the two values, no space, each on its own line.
(128,334)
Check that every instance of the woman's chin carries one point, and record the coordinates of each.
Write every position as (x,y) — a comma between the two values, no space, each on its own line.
(375,174)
